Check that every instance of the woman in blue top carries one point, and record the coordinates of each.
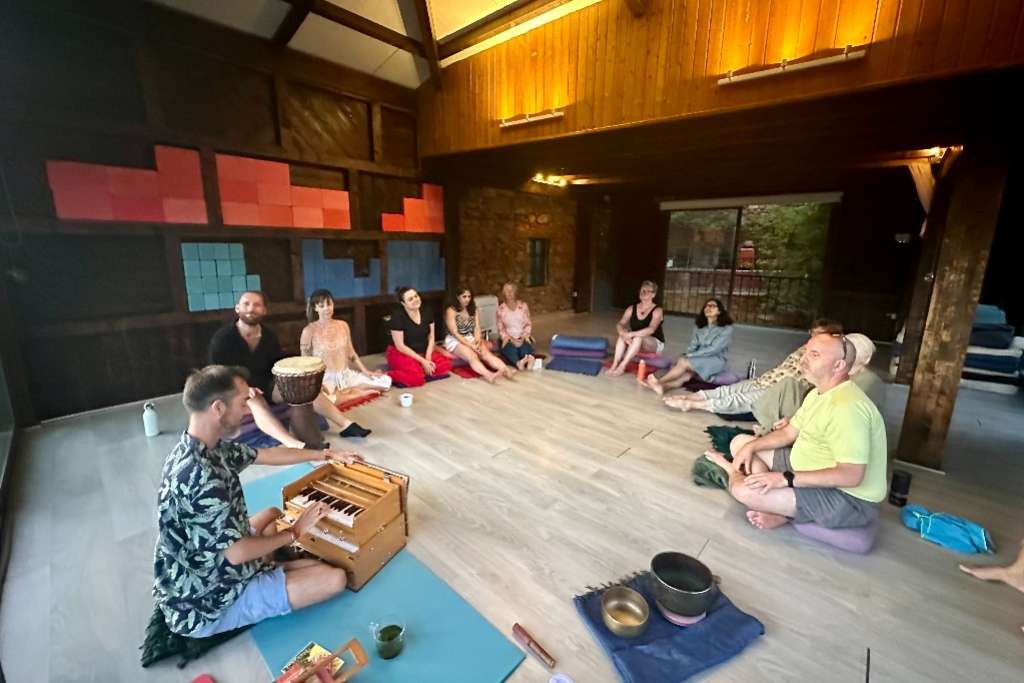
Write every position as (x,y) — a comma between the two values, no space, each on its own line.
(706,355)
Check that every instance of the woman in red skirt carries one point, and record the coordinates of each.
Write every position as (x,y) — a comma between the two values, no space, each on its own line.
(411,356)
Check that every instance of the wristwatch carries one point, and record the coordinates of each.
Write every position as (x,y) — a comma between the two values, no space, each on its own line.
(789,478)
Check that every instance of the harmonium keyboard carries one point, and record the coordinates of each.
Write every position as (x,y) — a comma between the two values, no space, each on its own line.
(367,525)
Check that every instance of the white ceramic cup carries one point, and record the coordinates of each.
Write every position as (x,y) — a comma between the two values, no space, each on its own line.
(405,400)
(538,363)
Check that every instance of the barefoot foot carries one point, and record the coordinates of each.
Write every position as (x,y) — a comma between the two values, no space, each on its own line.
(654,384)
(719,459)
(766,520)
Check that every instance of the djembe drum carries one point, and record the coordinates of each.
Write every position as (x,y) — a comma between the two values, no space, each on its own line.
(299,378)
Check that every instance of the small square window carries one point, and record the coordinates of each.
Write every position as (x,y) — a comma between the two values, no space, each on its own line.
(537,251)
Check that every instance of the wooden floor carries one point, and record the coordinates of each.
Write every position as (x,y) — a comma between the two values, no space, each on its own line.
(523,494)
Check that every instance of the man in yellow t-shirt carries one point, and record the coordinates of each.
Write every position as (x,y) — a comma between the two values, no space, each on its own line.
(827,465)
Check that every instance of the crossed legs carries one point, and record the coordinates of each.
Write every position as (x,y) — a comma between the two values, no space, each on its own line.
(768,510)
(308,581)
(484,363)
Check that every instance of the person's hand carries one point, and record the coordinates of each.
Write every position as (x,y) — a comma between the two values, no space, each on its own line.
(781,424)
(254,393)
(429,367)
(741,460)
(310,516)
(766,481)
(347,457)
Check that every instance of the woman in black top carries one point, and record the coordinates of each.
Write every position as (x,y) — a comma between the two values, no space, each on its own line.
(412,356)
(639,329)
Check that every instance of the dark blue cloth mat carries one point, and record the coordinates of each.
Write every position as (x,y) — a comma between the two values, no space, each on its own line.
(666,653)
(580,366)
(428,378)
(737,417)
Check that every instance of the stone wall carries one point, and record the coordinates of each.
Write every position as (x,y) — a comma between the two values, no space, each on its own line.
(494,226)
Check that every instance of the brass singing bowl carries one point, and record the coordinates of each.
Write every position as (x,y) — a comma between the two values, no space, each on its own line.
(625,611)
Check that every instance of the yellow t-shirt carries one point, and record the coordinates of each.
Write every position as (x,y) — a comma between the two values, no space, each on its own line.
(842,426)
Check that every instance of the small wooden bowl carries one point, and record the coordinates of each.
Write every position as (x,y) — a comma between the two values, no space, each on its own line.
(625,611)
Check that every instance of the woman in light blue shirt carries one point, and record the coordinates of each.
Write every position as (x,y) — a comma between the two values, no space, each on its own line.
(706,355)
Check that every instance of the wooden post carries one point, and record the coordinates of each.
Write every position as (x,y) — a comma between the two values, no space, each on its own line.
(976,195)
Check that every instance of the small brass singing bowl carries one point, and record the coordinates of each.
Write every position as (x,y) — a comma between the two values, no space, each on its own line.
(625,611)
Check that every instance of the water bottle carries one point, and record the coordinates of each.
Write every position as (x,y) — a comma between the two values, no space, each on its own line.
(900,488)
(150,420)
(641,370)
(752,369)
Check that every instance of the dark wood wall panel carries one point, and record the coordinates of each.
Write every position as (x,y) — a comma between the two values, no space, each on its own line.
(320,123)
(203,95)
(399,137)
(382,194)
(54,68)
(88,277)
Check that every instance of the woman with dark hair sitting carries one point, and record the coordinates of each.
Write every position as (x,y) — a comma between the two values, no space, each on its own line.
(465,341)
(411,356)
(706,355)
(330,340)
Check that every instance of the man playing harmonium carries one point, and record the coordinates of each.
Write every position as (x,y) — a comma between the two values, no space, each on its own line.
(211,563)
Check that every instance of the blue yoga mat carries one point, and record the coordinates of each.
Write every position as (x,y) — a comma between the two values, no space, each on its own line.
(571,343)
(580,366)
(447,640)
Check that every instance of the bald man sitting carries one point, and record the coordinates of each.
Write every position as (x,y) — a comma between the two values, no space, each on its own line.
(827,466)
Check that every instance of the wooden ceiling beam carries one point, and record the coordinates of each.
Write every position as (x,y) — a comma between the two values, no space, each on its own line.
(637,7)
(356,22)
(429,41)
(507,17)
(289,26)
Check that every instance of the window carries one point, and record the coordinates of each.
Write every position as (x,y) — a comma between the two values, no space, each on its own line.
(537,250)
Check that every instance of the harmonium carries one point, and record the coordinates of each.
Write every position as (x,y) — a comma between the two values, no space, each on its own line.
(367,525)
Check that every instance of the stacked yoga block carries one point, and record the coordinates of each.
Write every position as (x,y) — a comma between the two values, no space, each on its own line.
(580,355)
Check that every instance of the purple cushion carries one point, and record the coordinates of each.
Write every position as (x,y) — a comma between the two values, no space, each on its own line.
(577,353)
(725,377)
(858,540)
(654,360)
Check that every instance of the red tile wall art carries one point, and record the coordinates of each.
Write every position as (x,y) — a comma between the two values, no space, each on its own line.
(257,192)
(173,193)
(418,215)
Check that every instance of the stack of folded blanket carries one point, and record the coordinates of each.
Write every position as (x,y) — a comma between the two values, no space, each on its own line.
(582,355)
(995,357)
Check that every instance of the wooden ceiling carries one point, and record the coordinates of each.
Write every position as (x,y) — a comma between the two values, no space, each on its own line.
(806,145)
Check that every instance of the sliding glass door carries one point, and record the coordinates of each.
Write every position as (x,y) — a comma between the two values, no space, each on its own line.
(764,261)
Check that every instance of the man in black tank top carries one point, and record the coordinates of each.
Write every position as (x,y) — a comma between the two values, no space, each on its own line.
(639,329)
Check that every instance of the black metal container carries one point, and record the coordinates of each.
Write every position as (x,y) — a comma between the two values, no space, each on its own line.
(682,584)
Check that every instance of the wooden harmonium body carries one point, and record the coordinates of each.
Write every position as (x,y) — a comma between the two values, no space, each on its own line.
(368,522)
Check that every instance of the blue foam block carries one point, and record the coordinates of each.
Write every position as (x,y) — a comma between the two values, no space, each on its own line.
(238,283)
(579,366)
(238,266)
(252,282)
(192,268)
(189,251)
(236,251)
(196,302)
(211,301)
(210,285)
(221,252)
(207,251)
(447,640)
(208,268)
(226,299)
(224,283)
(223,267)
(194,285)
